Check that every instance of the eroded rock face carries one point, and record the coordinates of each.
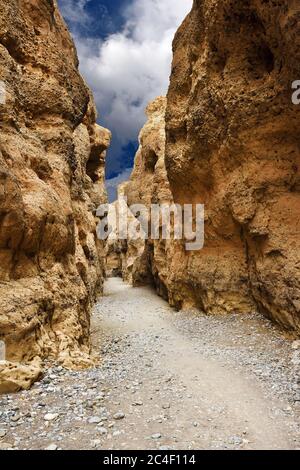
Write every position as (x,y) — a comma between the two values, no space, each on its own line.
(148,185)
(125,257)
(232,143)
(51,181)
(145,262)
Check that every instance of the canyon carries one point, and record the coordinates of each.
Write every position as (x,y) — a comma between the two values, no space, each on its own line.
(226,136)
(208,362)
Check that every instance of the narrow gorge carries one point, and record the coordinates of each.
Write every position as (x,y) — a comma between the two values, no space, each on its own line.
(227,137)
(134,343)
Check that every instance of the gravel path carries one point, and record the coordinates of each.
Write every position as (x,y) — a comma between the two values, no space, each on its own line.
(167,380)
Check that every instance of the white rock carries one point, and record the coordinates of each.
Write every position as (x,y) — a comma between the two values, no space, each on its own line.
(51,416)
(51,447)
(96,443)
(95,420)
(5,445)
(102,431)
(119,415)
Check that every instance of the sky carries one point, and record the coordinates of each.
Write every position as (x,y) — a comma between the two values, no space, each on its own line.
(125,53)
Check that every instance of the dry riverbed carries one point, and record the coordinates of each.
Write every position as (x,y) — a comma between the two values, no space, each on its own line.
(167,380)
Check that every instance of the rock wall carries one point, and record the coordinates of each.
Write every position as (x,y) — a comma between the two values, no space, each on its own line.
(52,156)
(125,257)
(232,143)
(148,185)
(146,263)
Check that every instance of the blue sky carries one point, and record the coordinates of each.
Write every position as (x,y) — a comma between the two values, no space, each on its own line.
(124,49)
(94,18)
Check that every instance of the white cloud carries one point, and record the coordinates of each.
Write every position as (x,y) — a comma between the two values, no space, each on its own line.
(153,19)
(74,11)
(130,67)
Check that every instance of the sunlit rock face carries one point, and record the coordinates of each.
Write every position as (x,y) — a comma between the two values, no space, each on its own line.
(232,143)
(52,156)
(149,262)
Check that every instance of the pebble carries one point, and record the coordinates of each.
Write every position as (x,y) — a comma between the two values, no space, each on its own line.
(51,447)
(95,420)
(95,443)
(15,418)
(288,409)
(236,440)
(5,445)
(166,406)
(156,436)
(2,433)
(118,416)
(102,431)
(51,416)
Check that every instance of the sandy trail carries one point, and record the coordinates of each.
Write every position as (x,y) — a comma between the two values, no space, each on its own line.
(199,402)
(166,380)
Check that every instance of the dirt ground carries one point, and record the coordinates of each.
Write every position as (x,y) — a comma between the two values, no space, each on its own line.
(166,380)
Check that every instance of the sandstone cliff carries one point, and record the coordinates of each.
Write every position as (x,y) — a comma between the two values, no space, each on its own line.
(133,259)
(149,185)
(51,181)
(232,143)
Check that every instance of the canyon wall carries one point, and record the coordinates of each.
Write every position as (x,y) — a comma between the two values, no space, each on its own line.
(231,143)
(52,156)
(148,185)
